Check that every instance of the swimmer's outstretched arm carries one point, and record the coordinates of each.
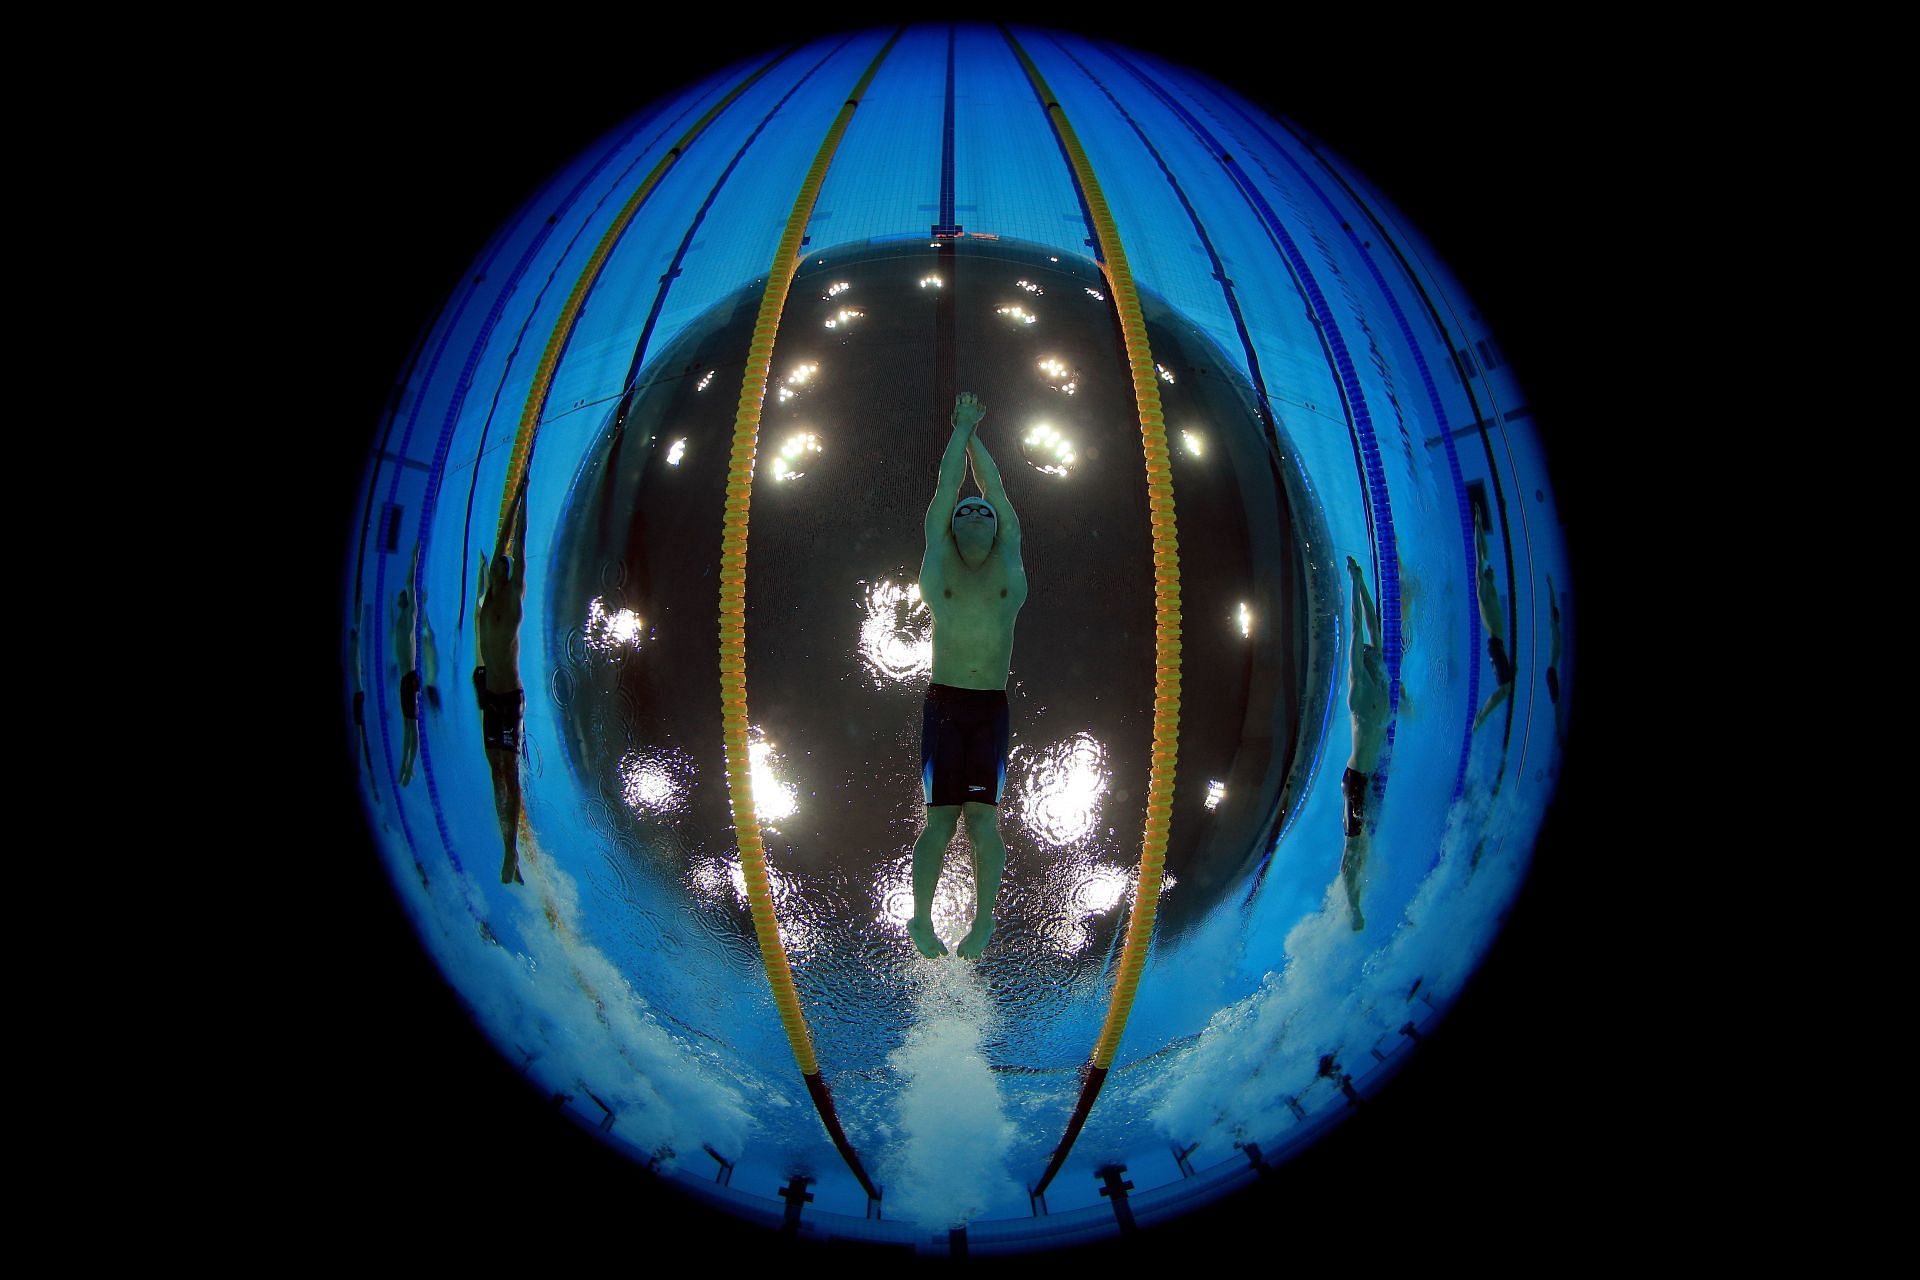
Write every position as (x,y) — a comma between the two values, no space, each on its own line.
(480,587)
(1364,605)
(987,476)
(953,467)
(518,566)
(1486,589)
(1356,639)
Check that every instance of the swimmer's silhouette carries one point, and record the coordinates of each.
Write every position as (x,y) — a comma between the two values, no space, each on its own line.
(1367,699)
(404,655)
(496,681)
(429,654)
(973,580)
(360,699)
(1553,660)
(1487,591)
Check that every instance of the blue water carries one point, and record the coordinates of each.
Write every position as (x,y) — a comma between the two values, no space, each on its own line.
(615,978)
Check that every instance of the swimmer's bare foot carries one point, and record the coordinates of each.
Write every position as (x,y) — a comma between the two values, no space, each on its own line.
(921,931)
(975,942)
(1359,921)
(510,870)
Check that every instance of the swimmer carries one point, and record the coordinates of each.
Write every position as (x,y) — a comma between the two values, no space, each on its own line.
(403,653)
(974,581)
(1367,699)
(1553,660)
(429,653)
(496,681)
(1488,594)
(360,700)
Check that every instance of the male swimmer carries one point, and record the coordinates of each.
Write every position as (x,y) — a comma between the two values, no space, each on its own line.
(360,698)
(408,659)
(973,580)
(496,681)
(1491,617)
(1553,660)
(1367,699)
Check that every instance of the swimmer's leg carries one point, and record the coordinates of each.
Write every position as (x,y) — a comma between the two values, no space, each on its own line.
(506,805)
(366,753)
(1353,860)
(989,860)
(929,852)
(409,753)
(1493,700)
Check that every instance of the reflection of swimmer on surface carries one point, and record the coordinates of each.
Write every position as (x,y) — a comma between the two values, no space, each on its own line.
(496,681)
(974,582)
(360,700)
(1490,617)
(1553,658)
(1367,699)
(403,653)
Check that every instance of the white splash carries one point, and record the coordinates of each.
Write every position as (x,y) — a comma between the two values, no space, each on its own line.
(1255,1069)
(949,1164)
(583,1029)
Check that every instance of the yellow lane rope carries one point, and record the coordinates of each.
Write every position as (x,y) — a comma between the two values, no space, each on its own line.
(1166,580)
(589,276)
(733,580)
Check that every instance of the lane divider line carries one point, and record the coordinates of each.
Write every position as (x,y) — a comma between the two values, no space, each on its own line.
(1166,608)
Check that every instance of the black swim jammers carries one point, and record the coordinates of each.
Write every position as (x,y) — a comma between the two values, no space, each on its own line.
(1502,664)
(410,695)
(963,745)
(499,713)
(1353,786)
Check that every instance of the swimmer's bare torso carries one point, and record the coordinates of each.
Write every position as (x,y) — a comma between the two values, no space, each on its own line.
(496,619)
(973,615)
(972,577)
(496,625)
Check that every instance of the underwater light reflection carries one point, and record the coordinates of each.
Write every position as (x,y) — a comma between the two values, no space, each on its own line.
(656,782)
(716,880)
(798,449)
(608,633)
(1047,451)
(1061,789)
(953,901)
(896,633)
(773,798)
